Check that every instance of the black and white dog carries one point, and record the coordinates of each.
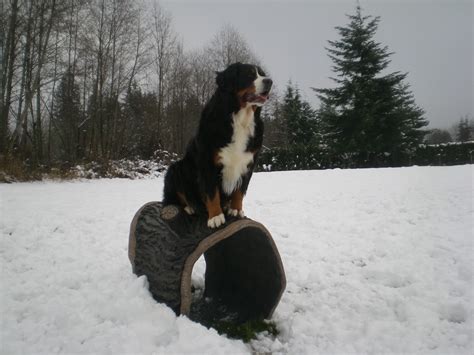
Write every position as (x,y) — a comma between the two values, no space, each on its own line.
(215,171)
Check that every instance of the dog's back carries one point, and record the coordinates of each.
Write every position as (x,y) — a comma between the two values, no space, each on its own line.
(182,179)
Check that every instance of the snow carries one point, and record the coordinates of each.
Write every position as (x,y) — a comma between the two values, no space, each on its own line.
(377,261)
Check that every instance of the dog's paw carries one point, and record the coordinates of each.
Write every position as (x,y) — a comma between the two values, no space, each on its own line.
(216,221)
(189,210)
(236,213)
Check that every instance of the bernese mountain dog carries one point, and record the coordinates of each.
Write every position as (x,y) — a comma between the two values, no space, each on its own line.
(215,171)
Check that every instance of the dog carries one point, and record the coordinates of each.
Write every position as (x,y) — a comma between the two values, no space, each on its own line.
(215,171)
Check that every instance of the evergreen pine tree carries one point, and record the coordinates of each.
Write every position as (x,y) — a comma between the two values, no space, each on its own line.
(275,128)
(140,111)
(299,117)
(464,131)
(67,117)
(369,118)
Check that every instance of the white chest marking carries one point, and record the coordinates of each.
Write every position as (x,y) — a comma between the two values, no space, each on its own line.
(233,157)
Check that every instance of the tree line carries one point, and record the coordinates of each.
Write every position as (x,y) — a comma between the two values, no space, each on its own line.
(95,80)
(102,79)
(462,132)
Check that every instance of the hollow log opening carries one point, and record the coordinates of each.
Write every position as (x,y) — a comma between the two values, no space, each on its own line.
(243,279)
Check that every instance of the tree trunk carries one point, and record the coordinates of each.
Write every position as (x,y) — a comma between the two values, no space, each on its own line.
(7,76)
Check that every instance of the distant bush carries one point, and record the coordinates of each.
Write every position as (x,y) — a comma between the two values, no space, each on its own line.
(299,157)
(13,170)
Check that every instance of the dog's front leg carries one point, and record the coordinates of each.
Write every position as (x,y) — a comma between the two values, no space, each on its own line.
(214,210)
(236,204)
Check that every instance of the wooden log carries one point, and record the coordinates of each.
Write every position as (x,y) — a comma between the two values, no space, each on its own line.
(244,272)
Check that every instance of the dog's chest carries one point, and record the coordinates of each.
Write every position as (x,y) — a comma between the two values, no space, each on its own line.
(233,157)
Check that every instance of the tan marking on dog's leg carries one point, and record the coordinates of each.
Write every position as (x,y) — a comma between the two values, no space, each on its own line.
(214,210)
(236,200)
(213,205)
(236,204)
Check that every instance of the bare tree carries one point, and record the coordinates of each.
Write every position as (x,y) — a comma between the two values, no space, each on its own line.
(35,50)
(164,47)
(229,46)
(203,76)
(178,114)
(110,42)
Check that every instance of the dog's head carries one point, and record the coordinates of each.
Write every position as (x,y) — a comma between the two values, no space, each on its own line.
(248,82)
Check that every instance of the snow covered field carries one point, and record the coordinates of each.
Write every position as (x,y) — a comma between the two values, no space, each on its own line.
(377,261)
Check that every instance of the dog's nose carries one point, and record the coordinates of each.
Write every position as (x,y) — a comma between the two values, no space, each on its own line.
(267,82)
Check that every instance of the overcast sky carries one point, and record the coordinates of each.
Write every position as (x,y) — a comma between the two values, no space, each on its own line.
(432,41)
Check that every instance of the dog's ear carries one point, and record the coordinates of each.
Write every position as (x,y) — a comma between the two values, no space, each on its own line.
(227,79)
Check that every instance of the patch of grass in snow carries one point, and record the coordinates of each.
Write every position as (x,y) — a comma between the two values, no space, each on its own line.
(213,314)
(246,331)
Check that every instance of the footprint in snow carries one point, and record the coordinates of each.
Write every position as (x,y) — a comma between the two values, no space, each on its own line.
(453,312)
(359,262)
(386,278)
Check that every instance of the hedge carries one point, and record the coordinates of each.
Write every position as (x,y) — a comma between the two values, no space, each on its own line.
(316,157)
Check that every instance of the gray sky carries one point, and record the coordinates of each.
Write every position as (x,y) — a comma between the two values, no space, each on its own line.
(432,41)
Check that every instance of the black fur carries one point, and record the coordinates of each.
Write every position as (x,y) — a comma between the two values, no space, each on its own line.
(196,176)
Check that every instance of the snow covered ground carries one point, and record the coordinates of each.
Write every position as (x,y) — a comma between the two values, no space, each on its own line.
(377,261)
